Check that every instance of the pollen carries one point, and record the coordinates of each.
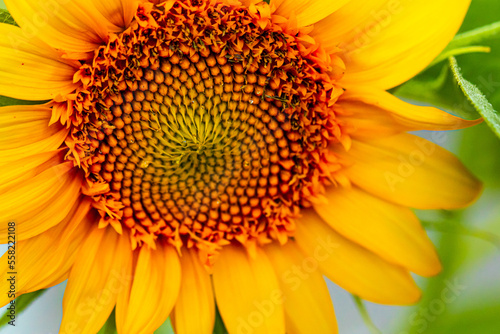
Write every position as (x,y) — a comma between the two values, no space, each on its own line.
(205,124)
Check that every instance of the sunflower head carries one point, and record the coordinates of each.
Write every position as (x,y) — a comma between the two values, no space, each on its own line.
(204,123)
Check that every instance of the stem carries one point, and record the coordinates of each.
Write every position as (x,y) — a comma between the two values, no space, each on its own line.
(459,51)
(476,35)
(463,230)
(364,314)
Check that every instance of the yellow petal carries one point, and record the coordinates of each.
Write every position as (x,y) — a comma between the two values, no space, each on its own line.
(376,113)
(157,279)
(12,115)
(361,120)
(308,11)
(24,169)
(30,69)
(40,203)
(353,267)
(194,310)
(389,230)
(51,142)
(44,261)
(118,12)
(413,172)
(75,26)
(25,134)
(21,134)
(247,292)
(345,23)
(101,271)
(275,3)
(308,306)
(76,230)
(386,43)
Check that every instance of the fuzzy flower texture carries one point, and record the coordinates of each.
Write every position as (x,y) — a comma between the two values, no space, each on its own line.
(193,155)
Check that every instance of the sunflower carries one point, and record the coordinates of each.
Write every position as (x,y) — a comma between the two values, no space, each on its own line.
(194,155)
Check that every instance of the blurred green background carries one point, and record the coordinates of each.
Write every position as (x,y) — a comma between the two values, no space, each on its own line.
(465,297)
(468,241)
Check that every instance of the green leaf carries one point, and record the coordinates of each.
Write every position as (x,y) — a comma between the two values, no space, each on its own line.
(447,53)
(483,70)
(437,89)
(467,42)
(219,327)
(166,328)
(5,17)
(486,166)
(21,302)
(109,326)
(436,85)
(475,36)
(477,98)
(8,101)
(461,229)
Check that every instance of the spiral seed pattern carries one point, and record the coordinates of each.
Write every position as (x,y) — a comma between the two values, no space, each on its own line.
(208,144)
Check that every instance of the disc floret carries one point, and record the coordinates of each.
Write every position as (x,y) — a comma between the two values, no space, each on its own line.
(204,123)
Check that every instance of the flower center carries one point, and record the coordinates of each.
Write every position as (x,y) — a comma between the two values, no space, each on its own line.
(196,145)
(212,124)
